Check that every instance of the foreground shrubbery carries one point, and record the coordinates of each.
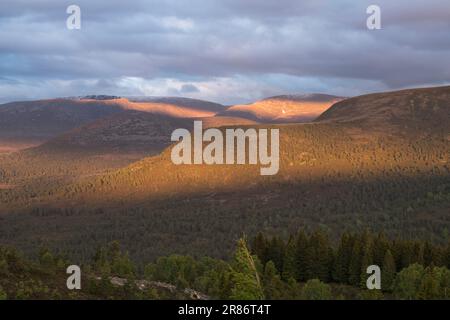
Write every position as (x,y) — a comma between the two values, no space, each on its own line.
(305,266)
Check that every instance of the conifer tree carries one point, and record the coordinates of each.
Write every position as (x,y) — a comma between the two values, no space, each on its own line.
(290,261)
(446,258)
(388,271)
(342,262)
(260,247)
(367,260)
(380,246)
(354,272)
(275,252)
(300,255)
(273,286)
(245,277)
(318,257)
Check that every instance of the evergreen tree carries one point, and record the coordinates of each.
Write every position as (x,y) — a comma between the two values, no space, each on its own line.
(428,254)
(3,295)
(246,282)
(290,261)
(342,260)
(260,247)
(367,260)
(417,253)
(46,260)
(388,272)
(275,252)
(446,258)
(273,286)
(354,272)
(301,255)
(380,246)
(318,258)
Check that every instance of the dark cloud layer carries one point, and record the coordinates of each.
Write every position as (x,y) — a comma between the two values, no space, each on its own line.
(225,50)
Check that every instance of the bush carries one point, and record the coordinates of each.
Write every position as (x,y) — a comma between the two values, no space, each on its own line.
(316,290)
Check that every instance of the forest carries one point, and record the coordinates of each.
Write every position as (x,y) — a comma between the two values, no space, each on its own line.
(305,266)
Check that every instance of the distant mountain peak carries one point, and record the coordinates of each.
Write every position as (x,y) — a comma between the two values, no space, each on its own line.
(285,108)
(316,97)
(99,97)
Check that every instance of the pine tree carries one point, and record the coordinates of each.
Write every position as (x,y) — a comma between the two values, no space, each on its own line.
(245,277)
(273,286)
(428,254)
(446,258)
(275,252)
(407,254)
(260,248)
(342,260)
(380,246)
(290,261)
(388,272)
(354,271)
(367,260)
(300,255)
(3,295)
(318,264)
(418,253)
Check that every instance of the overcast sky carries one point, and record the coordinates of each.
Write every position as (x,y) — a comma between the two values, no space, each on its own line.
(228,51)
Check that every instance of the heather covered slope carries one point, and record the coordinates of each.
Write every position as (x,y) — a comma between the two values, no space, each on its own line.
(43,119)
(129,131)
(408,112)
(29,123)
(284,109)
(181,102)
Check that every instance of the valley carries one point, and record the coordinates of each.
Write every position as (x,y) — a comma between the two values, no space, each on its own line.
(376,162)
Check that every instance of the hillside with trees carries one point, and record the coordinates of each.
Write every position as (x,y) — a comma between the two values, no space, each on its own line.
(338,175)
(304,266)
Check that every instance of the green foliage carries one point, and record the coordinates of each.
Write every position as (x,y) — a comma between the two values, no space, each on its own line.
(46,260)
(178,270)
(417,282)
(333,175)
(3,295)
(388,271)
(112,261)
(244,275)
(273,286)
(316,290)
(112,275)
(371,295)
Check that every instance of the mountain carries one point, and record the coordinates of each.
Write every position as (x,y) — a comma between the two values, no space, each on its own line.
(412,111)
(30,123)
(126,132)
(174,106)
(337,173)
(285,108)
(181,102)
(43,119)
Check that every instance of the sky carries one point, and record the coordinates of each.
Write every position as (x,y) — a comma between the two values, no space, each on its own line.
(227,51)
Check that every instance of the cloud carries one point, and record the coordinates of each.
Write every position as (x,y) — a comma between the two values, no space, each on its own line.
(189,88)
(221,49)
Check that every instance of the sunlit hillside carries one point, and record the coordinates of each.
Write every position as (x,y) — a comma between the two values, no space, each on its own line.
(339,175)
(287,108)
